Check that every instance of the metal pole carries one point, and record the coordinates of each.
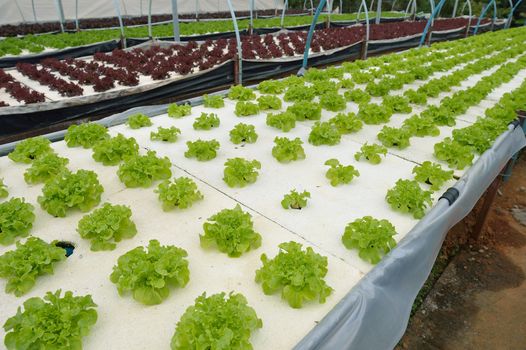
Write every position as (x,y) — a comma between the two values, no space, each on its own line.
(20,11)
(283,13)
(470,14)
(482,16)
(365,45)
(251,14)
(454,9)
(309,37)
(34,12)
(77,15)
(430,20)
(378,11)
(510,16)
(60,11)
(197,10)
(150,19)
(238,39)
(118,11)
(175,18)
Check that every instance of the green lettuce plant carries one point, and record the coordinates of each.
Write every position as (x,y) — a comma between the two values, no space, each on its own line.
(421,126)
(150,273)
(416,97)
(295,200)
(371,153)
(346,123)
(432,174)
(231,231)
(286,150)
(374,114)
(332,101)
(243,133)
(206,121)
(240,172)
(138,121)
(44,168)
(269,102)
(241,93)
(394,137)
(112,151)
(142,171)
(54,322)
(408,197)
(305,110)
(456,155)
(216,322)
(372,238)
(284,121)
(358,96)
(214,101)
(297,273)
(30,149)
(202,150)
(67,190)
(107,225)
(16,220)
(397,104)
(85,135)
(165,134)
(22,266)
(177,111)
(340,174)
(3,189)
(274,87)
(322,87)
(298,93)
(180,193)
(244,109)
(324,134)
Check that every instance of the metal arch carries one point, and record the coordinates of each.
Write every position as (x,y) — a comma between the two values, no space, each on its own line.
(468,2)
(175,19)
(430,21)
(411,4)
(378,11)
(238,40)
(150,19)
(34,11)
(77,15)
(510,16)
(309,37)
(486,8)
(251,13)
(118,11)
(283,12)
(60,11)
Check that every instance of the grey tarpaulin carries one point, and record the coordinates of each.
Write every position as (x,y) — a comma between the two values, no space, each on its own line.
(374,314)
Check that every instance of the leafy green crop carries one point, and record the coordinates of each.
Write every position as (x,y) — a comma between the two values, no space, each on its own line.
(395,137)
(244,109)
(432,174)
(284,121)
(231,231)
(456,155)
(240,172)
(22,266)
(85,135)
(480,135)
(45,167)
(216,322)
(165,134)
(371,153)
(16,220)
(416,97)
(305,110)
(149,273)
(142,171)
(214,101)
(299,93)
(274,87)
(440,115)
(421,126)
(286,150)
(397,104)
(177,111)
(202,150)
(107,225)
(346,83)
(322,87)
(30,149)
(346,123)
(357,96)
(374,114)
(340,174)
(243,133)
(54,322)
(269,102)
(115,149)
(80,190)
(181,193)
(324,134)
(295,200)
(241,93)
(3,189)
(361,77)
(377,89)
(206,121)
(332,101)
(372,237)
(297,273)
(408,197)
(138,121)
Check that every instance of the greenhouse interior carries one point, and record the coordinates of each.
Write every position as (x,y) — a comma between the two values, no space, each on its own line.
(262,174)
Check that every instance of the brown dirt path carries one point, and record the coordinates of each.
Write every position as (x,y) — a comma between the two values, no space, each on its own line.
(479,302)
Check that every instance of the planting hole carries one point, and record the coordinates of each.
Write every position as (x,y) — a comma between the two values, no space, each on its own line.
(67,246)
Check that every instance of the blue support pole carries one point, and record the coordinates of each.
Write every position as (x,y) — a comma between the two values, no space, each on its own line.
(486,8)
(309,37)
(510,16)
(430,20)
(283,13)
(238,39)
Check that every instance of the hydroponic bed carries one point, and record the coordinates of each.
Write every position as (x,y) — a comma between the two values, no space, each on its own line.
(481,69)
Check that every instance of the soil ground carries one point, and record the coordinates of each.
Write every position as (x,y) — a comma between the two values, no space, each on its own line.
(479,301)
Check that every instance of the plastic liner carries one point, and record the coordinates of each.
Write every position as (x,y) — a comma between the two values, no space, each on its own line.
(378,46)
(263,69)
(374,314)
(71,52)
(372,20)
(448,34)
(25,121)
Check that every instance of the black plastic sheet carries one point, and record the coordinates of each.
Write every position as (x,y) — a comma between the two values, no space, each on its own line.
(379,46)
(448,35)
